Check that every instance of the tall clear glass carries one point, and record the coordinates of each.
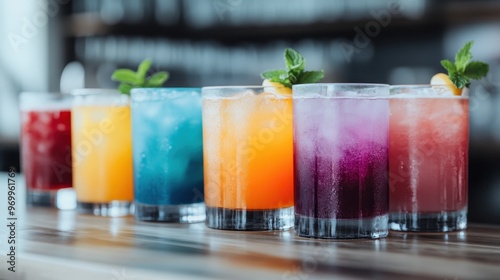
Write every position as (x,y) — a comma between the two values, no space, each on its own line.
(248,162)
(341,141)
(428,164)
(46,149)
(167,154)
(102,152)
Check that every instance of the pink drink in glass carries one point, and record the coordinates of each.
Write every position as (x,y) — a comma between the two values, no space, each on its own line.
(429,137)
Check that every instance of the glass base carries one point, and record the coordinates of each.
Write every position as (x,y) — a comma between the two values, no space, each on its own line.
(110,209)
(235,219)
(429,222)
(63,199)
(183,213)
(341,228)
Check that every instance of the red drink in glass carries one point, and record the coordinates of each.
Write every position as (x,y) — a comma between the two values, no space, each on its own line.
(45,146)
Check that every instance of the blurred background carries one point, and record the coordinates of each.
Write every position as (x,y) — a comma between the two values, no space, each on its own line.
(58,45)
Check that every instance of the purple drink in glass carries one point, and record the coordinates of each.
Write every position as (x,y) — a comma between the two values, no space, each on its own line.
(341,160)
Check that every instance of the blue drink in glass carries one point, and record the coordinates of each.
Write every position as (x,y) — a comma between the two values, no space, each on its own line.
(167,154)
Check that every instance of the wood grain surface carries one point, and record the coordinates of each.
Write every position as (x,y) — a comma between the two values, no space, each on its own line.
(66,245)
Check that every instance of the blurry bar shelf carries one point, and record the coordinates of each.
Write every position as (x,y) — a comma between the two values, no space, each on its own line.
(472,11)
(435,16)
(53,244)
(89,24)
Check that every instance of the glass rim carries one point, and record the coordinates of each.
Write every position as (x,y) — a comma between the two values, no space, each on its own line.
(416,85)
(425,86)
(241,87)
(95,91)
(163,93)
(344,84)
(336,91)
(164,88)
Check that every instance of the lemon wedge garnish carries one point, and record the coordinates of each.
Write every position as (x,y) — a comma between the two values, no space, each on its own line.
(277,87)
(442,79)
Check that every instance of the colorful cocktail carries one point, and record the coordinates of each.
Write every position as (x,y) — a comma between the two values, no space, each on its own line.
(46,148)
(167,154)
(102,152)
(429,137)
(248,162)
(341,160)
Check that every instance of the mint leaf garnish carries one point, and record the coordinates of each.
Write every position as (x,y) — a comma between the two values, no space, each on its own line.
(449,66)
(126,76)
(275,74)
(464,70)
(157,79)
(143,68)
(459,81)
(130,79)
(294,73)
(309,77)
(294,62)
(124,88)
(476,70)
(463,56)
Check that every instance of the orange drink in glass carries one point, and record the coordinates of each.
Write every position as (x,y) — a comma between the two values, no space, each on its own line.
(248,158)
(102,152)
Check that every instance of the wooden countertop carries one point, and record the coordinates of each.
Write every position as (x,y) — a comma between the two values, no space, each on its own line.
(55,244)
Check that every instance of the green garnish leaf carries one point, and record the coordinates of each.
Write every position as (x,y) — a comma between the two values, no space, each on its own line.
(463,56)
(294,73)
(130,79)
(143,68)
(449,66)
(459,81)
(476,70)
(274,75)
(464,70)
(126,76)
(124,88)
(309,77)
(157,79)
(294,62)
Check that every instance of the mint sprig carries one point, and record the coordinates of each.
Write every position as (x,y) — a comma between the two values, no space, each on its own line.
(464,70)
(130,79)
(294,73)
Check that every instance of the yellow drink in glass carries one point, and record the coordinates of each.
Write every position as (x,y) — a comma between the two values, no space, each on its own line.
(248,158)
(102,152)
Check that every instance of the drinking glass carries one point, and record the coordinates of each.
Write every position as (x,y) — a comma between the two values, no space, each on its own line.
(248,162)
(46,149)
(167,154)
(429,138)
(341,160)
(102,152)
